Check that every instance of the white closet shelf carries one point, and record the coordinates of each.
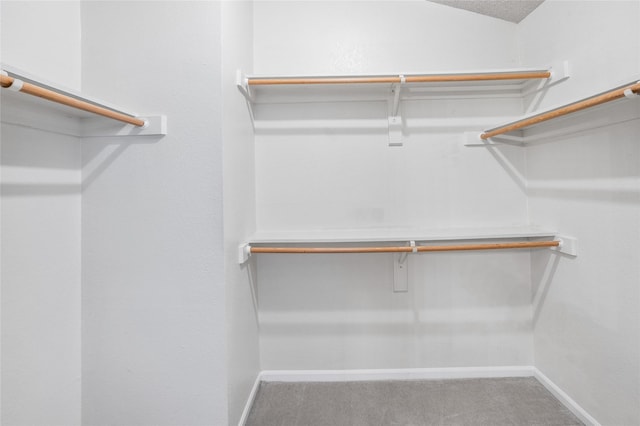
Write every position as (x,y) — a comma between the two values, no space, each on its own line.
(265,89)
(630,90)
(515,77)
(349,240)
(393,89)
(61,110)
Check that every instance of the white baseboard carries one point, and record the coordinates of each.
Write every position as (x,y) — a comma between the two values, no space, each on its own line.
(249,404)
(565,399)
(394,374)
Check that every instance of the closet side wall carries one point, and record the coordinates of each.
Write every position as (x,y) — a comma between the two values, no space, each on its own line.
(239,207)
(40,227)
(154,335)
(587,184)
(329,166)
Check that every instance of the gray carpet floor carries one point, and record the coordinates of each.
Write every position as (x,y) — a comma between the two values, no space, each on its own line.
(490,402)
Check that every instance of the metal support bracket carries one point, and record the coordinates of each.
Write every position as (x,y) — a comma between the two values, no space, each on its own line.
(400,273)
(560,71)
(630,94)
(16,86)
(568,245)
(396,89)
(473,139)
(395,120)
(244,251)
(395,131)
(155,125)
(242,83)
(401,270)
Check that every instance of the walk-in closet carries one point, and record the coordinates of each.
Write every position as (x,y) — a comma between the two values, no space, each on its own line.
(315,213)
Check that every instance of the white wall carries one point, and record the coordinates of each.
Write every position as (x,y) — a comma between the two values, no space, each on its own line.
(351,37)
(40,227)
(40,277)
(154,337)
(239,206)
(587,184)
(43,38)
(597,37)
(331,178)
(334,312)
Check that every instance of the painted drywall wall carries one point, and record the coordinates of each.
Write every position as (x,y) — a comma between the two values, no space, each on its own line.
(336,312)
(40,227)
(331,178)
(587,185)
(154,337)
(42,38)
(243,361)
(344,37)
(600,58)
(40,277)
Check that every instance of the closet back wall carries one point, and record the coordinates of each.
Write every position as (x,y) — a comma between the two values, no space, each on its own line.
(338,311)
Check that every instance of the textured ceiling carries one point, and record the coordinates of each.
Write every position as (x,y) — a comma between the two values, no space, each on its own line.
(509,10)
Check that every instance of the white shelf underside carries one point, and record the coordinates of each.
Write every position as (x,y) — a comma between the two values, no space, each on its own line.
(397,235)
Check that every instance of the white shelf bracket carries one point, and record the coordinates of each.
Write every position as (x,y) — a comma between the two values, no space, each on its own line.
(16,86)
(155,125)
(396,89)
(395,120)
(473,139)
(568,245)
(401,270)
(242,83)
(560,71)
(244,251)
(395,131)
(400,274)
(630,94)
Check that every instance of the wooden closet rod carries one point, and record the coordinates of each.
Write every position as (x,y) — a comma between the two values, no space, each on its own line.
(559,112)
(404,249)
(32,89)
(398,79)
